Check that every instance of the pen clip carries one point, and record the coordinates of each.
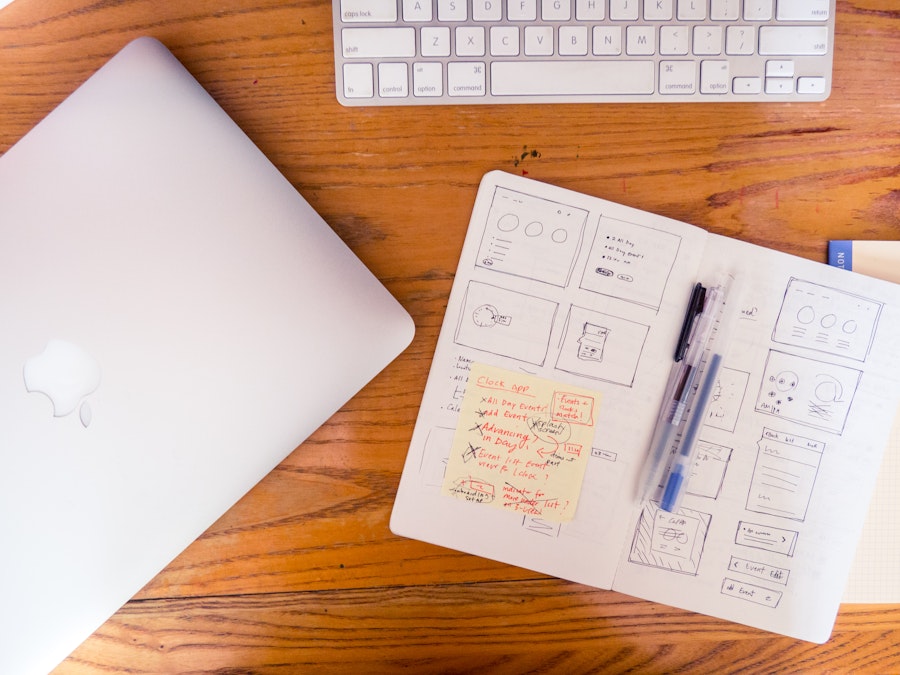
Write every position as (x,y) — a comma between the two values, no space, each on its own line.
(695,307)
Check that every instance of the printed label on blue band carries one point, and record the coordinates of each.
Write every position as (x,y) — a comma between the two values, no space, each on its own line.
(840,254)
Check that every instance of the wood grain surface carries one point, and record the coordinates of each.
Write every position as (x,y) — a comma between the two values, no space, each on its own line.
(303,574)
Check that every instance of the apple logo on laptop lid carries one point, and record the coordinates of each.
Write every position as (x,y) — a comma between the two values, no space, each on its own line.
(66,374)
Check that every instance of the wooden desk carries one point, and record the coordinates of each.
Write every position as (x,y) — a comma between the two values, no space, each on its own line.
(303,574)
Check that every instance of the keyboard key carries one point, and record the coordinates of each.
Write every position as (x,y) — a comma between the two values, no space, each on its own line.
(557,10)
(558,78)
(366,43)
(640,40)
(691,10)
(368,11)
(746,86)
(538,41)
(779,68)
(393,81)
(673,40)
(589,10)
(466,79)
(452,10)
(724,10)
(677,77)
(504,41)
(428,79)
(485,10)
(811,85)
(470,41)
(779,85)
(573,41)
(707,40)
(793,40)
(523,10)
(417,10)
(658,10)
(607,40)
(714,78)
(358,80)
(803,10)
(740,40)
(435,41)
(623,10)
(757,10)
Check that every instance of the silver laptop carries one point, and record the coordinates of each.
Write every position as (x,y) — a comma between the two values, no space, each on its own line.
(176,319)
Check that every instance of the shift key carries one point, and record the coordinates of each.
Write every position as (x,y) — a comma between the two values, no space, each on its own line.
(371,43)
(793,40)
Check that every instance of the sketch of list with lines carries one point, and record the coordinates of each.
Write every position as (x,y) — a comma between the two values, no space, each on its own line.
(630,262)
(827,320)
(530,237)
(785,474)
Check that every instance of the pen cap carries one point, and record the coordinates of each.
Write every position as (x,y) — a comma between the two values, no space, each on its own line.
(710,312)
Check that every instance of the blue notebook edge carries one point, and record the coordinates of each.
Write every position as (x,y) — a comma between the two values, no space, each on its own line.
(840,253)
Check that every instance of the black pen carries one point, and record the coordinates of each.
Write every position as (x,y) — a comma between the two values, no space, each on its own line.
(695,307)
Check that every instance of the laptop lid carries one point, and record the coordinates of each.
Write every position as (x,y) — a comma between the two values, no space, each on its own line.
(176,319)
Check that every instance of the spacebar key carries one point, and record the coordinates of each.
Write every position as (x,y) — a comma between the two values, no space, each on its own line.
(571,78)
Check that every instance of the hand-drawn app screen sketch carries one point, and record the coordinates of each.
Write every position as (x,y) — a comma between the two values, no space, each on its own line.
(808,391)
(727,398)
(827,320)
(670,541)
(708,472)
(786,469)
(506,323)
(531,237)
(601,346)
(630,262)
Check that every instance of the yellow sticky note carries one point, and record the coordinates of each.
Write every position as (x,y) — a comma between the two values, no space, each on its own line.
(522,443)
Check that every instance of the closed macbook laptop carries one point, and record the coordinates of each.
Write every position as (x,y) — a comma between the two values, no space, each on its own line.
(176,319)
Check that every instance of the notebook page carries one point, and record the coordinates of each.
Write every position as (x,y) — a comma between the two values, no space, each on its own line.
(577,291)
(875,575)
(770,542)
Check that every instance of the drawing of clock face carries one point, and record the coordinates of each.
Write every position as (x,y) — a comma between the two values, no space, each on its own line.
(484,316)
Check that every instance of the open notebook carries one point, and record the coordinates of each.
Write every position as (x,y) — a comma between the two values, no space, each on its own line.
(563,318)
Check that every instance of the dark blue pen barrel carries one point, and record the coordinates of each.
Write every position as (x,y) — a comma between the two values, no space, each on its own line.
(673,487)
(703,394)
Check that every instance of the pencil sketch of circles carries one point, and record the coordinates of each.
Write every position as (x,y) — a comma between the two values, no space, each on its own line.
(508,222)
(534,229)
(828,321)
(559,236)
(806,314)
(850,327)
(785,380)
(829,389)
(673,534)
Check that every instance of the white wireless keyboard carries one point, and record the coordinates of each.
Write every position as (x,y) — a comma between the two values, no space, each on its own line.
(427,52)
